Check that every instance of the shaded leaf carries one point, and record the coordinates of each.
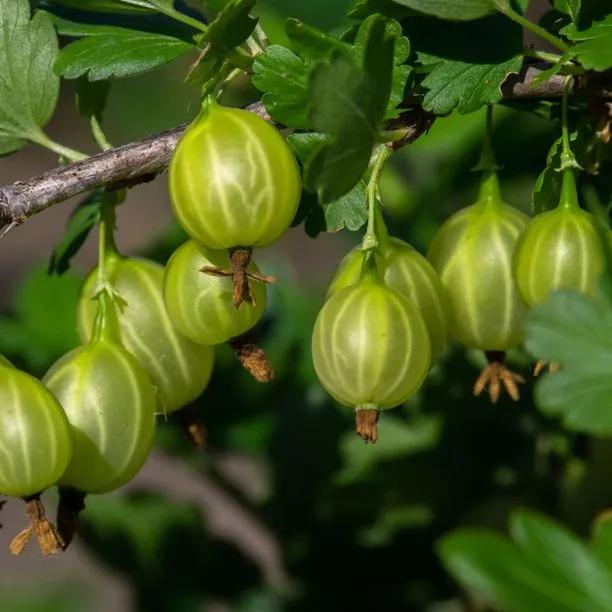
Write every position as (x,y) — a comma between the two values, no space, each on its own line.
(231,27)
(82,220)
(545,567)
(91,97)
(575,331)
(42,326)
(348,104)
(456,10)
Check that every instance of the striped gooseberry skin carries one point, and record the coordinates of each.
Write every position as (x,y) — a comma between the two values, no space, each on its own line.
(561,249)
(472,253)
(234,181)
(403,269)
(370,346)
(199,304)
(110,404)
(177,366)
(35,438)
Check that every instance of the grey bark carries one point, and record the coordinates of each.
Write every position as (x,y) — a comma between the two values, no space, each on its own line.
(141,161)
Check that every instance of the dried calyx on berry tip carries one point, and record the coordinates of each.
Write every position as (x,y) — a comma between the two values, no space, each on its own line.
(49,539)
(497,374)
(366,421)
(253,359)
(71,504)
(192,426)
(240,275)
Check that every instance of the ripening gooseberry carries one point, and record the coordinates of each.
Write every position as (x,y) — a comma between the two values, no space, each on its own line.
(403,269)
(179,368)
(472,253)
(200,304)
(560,249)
(111,405)
(234,181)
(370,349)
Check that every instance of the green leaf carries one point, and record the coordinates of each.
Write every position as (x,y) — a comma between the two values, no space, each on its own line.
(550,546)
(91,97)
(576,332)
(108,6)
(349,211)
(602,539)
(495,571)
(42,326)
(468,61)
(400,72)
(312,43)
(547,187)
(364,8)
(348,104)
(231,27)
(82,220)
(569,7)
(593,47)
(283,77)
(465,86)
(544,568)
(28,87)
(118,52)
(341,109)
(455,10)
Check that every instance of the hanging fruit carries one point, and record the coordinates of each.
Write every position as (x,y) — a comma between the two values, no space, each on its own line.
(36,448)
(472,253)
(178,367)
(370,348)
(234,184)
(403,269)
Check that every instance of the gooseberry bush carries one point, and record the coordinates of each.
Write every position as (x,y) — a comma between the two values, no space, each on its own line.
(300,126)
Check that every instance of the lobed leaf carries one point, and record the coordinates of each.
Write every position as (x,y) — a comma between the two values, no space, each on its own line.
(593,48)
(283,77)
(543,567)
(28,86)
(576,332)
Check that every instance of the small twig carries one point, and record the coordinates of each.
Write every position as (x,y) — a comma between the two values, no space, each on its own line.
(141,161)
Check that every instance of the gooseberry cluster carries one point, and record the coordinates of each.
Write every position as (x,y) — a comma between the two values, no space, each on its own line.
(148,333)
(486,266)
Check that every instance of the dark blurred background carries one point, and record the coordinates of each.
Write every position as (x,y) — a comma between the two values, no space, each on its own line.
(286,509)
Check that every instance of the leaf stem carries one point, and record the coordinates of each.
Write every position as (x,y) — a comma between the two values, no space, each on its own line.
(70,154)
(106,239)
(503,6)
(568,160)
(545,56)
(370,240)
(99,135)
